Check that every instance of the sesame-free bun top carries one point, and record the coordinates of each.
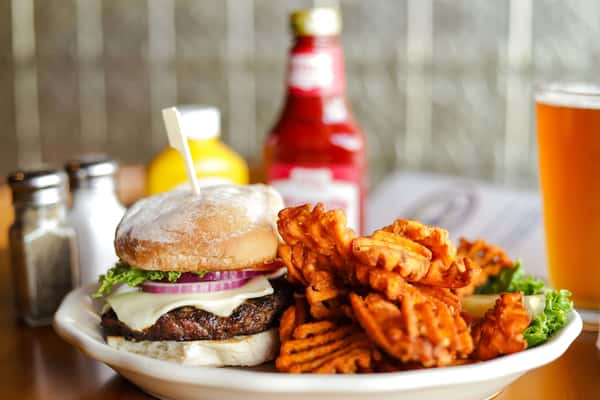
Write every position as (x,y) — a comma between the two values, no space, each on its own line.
(225,227)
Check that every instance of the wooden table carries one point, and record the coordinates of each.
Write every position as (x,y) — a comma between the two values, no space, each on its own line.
(37,364)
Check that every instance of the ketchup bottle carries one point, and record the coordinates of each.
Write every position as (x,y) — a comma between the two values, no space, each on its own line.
(316,151)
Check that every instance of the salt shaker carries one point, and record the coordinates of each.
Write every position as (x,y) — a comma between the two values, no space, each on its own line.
(42,245)
(95,213)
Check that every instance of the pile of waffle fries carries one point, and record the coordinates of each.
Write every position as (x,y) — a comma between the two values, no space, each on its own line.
(389,301)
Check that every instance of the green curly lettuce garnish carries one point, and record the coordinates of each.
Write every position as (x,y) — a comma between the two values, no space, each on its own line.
(557,306)
(123,273)
(512,280)
(553,318)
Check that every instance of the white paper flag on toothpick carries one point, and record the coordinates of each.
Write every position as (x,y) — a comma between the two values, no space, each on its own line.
(178,141)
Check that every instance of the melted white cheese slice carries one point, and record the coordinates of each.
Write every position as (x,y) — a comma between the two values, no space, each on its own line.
(139,310)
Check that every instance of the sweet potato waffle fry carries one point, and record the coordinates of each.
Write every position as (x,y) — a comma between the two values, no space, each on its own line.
(298,262)
(425,331)
(397,291)
(324,347)
(491,260)
(393,253)
(501,329)
(444,295)
(325,296)
(394,287)
(318,245)
(320,232)
(388,283)
(434,238)
(292,317)
(409,256)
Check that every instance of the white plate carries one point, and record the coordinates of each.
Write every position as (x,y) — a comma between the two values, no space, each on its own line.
(77,321)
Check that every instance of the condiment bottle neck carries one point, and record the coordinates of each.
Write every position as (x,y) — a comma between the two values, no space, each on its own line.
(316,67)
(315,41)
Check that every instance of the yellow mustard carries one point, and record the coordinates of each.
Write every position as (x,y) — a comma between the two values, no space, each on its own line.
(214,162)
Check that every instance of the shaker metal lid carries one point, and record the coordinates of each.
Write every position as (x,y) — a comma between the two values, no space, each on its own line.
(91,166)
(39,187)
(30,180)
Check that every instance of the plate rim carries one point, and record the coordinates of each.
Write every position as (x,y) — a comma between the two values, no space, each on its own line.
(239,379)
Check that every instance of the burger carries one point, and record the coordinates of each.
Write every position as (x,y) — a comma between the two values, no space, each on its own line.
(197,280)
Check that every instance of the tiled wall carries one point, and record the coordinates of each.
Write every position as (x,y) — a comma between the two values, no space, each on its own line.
(438,85)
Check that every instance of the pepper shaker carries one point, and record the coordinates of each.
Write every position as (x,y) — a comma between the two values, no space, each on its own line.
(95,213)
(42,245)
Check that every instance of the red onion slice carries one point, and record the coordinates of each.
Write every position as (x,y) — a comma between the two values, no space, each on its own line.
(188,277)
(195,287)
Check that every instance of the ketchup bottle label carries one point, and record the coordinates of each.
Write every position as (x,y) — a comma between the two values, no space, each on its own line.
(316,72)
(337,187)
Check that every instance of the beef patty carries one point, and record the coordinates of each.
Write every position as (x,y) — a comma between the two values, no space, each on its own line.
(190,323)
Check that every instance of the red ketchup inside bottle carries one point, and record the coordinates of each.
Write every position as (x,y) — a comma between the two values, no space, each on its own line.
(316,151)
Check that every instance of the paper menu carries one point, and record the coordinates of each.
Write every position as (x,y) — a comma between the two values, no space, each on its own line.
(504,217)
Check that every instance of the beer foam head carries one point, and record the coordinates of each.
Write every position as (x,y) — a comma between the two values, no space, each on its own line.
(569,94)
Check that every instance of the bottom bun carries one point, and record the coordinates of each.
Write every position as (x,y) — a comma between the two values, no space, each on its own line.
(243,351)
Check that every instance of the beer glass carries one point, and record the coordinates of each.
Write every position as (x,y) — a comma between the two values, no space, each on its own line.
(568,132)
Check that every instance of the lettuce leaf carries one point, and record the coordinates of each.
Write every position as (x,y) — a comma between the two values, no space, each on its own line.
(553,318)
(556,311)
(123,273)
(512,280)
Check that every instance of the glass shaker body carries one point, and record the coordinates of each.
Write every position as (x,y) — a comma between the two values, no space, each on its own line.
(95,216)
(43,257)
(95,213)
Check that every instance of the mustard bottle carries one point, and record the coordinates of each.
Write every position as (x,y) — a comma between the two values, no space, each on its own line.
(215,162)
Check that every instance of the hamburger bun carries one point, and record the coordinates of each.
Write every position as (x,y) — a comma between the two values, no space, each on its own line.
(243,351)
(226,227)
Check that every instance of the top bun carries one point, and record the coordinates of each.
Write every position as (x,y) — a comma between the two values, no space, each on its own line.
(226,227)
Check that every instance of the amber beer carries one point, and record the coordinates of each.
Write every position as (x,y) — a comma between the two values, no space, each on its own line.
(568,126)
